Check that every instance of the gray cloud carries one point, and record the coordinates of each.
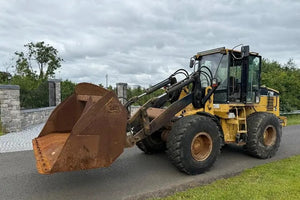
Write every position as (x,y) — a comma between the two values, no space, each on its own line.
(142,42)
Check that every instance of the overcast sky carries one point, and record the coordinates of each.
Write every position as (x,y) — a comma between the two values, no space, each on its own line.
(142,42)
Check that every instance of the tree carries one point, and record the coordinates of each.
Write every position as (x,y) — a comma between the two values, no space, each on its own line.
(110,88)
(45,58)
(67,89)
(32,69)
(4,77)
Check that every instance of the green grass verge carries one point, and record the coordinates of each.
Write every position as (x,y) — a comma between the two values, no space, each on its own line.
(293,119)
(276,180)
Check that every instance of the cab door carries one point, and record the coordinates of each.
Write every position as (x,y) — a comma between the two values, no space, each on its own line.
(234,80)
(244,79)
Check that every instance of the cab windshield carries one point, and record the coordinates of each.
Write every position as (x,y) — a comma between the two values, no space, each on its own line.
(218,65)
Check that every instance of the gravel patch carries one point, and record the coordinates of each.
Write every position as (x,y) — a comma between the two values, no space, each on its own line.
(19,141)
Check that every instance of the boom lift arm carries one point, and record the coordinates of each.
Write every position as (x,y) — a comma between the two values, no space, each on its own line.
(140,126)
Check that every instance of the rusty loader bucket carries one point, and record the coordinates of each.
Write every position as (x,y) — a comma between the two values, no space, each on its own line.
(87,130)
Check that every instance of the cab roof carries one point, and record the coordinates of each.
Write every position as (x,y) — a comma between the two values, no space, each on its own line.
(222,50)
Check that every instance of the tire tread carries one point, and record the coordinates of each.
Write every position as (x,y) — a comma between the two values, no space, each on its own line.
(175,140)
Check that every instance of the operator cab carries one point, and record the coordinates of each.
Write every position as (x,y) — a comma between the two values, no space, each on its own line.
(237,73)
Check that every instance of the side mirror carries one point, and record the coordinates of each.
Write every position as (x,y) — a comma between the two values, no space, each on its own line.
(192,62)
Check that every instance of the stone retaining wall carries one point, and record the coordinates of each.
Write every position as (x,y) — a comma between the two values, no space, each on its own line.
(35,116)
(10,108)
(13,119)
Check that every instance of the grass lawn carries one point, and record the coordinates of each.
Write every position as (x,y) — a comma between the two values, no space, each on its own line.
(276,180)
(293,119)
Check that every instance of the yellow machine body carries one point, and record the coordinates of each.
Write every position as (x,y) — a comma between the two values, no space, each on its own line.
(233,116)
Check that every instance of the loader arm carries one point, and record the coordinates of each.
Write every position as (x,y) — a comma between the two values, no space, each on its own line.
(140,125)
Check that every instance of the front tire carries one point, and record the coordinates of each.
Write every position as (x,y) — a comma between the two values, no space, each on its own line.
(264,135)
(194,144)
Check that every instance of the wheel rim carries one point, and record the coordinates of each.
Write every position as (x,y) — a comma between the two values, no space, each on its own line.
(269,135)
(201,146)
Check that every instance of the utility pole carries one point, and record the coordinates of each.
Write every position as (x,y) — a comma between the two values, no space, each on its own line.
(106,77)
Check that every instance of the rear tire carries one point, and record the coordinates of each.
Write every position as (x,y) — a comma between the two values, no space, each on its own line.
(152,144)
(194,144)
(264,135)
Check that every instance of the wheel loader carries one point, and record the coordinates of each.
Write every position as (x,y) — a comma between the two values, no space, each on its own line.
(221,102)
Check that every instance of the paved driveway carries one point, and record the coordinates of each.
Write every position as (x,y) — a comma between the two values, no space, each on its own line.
(19,141)
(133,175)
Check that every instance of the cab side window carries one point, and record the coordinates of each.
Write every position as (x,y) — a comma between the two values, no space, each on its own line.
(253,78)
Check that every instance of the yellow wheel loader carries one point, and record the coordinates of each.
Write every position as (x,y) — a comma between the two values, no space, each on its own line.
(220,102)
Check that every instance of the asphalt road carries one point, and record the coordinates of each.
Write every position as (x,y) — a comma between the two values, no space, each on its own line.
(134,175)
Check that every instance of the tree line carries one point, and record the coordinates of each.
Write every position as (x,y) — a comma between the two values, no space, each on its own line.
(40,61)
(286,79)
